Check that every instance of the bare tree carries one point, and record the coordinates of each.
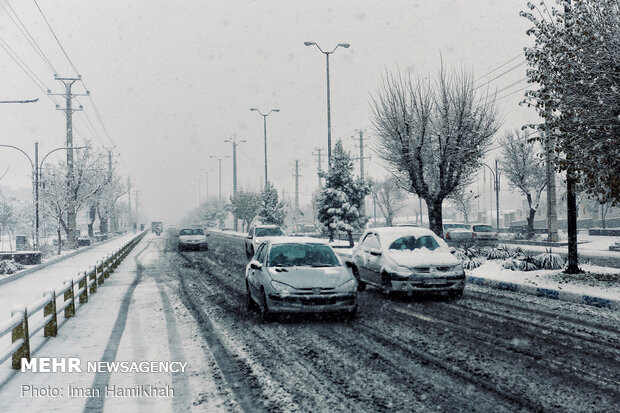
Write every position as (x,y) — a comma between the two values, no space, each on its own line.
(525,170)
(432,134)
(462,198)
(389,197)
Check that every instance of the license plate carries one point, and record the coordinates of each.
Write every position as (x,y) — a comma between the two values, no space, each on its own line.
(434,281)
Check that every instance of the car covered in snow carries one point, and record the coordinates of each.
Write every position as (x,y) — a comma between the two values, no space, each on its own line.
(407,260)
(192,238)
(483,232)
(457,232)
(299,275)
(259,233)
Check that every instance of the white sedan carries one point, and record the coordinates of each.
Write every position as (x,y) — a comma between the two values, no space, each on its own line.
(192,238)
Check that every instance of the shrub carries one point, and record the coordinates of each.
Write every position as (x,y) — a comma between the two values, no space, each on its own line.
(549,261)
(10,267)
(471,263)
(499,253)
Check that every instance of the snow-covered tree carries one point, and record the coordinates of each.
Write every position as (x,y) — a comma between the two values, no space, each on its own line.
(525,170)
(574,61)
(389,197)
(462,198)
(212,214)
(244,206)
(272,211)
(432,135)
(340,200)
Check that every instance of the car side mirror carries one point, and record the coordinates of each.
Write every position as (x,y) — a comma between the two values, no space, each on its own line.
(250,237)
(375,252)
(255,265)
(452,250)
(348,264)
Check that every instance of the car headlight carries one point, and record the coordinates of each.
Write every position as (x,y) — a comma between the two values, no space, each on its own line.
(281,287)
(400,270)
(347,286)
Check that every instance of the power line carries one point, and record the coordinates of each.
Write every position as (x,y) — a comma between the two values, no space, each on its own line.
(26,69)
(499,67)
(56,37)
(28,36)
(502,74)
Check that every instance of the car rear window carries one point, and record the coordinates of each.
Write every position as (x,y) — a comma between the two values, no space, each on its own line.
(191,232)
(268,232)
(483,228)
(411,243)
(311,255)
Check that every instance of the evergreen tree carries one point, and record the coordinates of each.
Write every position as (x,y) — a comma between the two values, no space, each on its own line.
(271,209)
(339,203)
(244,206)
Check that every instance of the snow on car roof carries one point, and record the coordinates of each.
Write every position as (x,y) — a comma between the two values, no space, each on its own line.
(297,240)
(389,234)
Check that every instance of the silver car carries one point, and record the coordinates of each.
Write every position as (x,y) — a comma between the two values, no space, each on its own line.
(299,275)
(407,260)
(192,238)
(456,232)
(258,234)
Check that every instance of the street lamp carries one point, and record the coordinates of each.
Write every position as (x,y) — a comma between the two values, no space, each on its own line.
(207,182)
(219,159)
(234,142)
(496,181)
(329,121)
(265,133)
(36,167)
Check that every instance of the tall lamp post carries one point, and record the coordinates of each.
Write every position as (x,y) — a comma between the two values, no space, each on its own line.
(265,133)
(207,182)
(234,142)
(329,119)
(496,181)
(219,159)
(36,167)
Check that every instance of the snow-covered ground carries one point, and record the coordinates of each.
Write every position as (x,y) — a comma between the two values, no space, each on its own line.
(124,321)
(603,282)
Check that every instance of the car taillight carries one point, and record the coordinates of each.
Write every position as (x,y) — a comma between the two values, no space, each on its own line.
(447,235)
(473,235)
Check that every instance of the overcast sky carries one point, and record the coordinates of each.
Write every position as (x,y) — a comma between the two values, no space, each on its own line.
(172,80)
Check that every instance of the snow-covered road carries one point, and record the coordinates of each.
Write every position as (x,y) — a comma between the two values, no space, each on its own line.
(489,351)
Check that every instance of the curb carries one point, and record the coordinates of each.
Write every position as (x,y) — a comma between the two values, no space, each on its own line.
(38,267)
(546,293)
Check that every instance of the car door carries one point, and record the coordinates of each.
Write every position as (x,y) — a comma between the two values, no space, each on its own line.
(248,239)
(255,276)
(373,261)
(365,260)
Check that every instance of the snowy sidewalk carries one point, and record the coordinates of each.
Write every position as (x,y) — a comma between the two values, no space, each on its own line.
(132,318)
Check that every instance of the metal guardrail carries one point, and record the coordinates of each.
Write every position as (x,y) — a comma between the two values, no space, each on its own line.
(87,284)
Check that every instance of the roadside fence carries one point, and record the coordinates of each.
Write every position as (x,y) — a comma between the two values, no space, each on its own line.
(87,284)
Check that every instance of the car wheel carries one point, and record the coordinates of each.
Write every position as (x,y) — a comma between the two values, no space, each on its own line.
(386,286)
(455,294)
(206,247)
(361,285)
(351,313)
(249,253)
(265,315)
(250,304)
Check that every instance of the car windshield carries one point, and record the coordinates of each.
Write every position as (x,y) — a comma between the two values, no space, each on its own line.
(483,228)
(191,232)
(268,232)
(411,243)
(302,255)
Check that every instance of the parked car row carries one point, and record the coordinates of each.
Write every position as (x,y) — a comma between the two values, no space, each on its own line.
(466,232)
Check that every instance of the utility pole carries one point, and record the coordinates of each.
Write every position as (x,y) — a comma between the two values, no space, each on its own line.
(129,198)
(497,193)
(234,142)
(137,201)
(361,160)
(219,159)
(296,175)
(111,222)
(36,195)
(319,169)
(68,109)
